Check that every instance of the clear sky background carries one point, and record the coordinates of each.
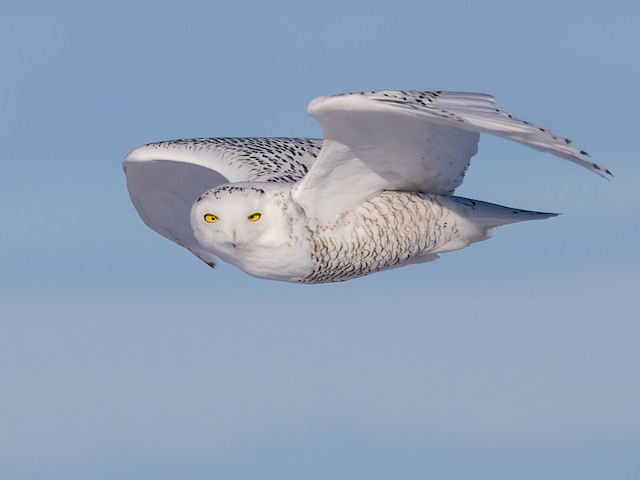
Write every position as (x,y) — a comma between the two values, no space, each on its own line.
(123,356)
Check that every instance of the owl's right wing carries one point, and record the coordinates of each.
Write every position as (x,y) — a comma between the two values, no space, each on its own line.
(408,141)
(164,179)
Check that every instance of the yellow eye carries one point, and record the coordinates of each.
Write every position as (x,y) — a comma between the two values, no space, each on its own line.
(254,217)
(210,218)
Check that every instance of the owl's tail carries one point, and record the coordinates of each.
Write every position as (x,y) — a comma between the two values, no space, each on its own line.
(477,218)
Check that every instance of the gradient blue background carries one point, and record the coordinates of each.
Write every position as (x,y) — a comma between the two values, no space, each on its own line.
(123,356)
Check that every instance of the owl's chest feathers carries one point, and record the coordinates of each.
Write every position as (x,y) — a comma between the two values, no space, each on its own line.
(388,230)
(284,253)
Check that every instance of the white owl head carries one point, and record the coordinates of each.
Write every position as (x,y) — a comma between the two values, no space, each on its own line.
(234,217)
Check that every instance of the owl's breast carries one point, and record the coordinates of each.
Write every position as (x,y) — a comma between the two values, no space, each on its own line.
(288,262)
(282,252)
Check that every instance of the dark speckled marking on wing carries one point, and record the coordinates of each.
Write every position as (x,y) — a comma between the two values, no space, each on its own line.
(478,113)
(265,159)
(224,190)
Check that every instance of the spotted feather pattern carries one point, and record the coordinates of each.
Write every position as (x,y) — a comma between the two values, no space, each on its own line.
(262,159)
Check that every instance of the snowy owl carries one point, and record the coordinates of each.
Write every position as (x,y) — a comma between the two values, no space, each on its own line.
(375,194)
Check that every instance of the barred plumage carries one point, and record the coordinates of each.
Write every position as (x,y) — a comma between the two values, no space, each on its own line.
(389,230)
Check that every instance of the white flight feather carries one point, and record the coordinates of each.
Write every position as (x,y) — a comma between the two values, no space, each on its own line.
(407,140)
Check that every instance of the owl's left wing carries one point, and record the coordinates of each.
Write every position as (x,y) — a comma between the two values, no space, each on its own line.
(165,178)
(407,140)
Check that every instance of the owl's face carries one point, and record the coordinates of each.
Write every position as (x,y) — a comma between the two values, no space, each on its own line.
(234,219)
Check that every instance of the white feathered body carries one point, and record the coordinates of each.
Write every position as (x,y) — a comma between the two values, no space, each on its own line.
(390,230)
(395,229)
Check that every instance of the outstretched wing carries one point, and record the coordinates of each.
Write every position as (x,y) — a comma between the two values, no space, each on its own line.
(165,179)
(407,140)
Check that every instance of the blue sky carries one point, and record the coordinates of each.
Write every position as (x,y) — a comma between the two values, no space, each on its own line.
(123,356)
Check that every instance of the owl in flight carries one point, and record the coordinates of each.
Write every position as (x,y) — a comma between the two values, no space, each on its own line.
(376,193)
